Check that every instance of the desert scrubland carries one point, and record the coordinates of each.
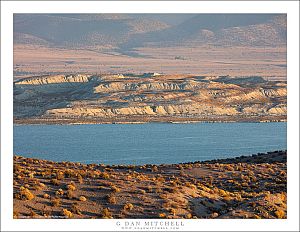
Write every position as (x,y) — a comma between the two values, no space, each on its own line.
(242,187)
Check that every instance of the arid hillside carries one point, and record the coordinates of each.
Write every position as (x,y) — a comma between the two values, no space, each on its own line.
(127,31)
(148,97)
(243,187)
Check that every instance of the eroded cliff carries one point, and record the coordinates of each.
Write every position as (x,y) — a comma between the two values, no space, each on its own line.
(151,97)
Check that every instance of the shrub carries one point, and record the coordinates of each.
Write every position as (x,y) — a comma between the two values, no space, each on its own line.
(56,202)
(42,185)
(141,191)
(163,196)
(31,175)
(128,206)
(190,185)
(162,215)
(256,216)
(16,214)
(283,196)
(106,213)
(104,175)
(160,179)
(158,190)
(25,193)
(16,168)
(173,211)
(115,189)
(280,214)
(59,192)
(68,173)
(67,213)
(229,168)
(71,187)
(214,215)
(239,168)
(82,198)
(60,176)
(188,216)
(227,198)
(223,193)
(46,196)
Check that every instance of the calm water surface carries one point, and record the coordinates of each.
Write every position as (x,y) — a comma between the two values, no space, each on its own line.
(147,143)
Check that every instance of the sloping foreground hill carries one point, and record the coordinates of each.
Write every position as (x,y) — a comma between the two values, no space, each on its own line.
(149,97)
(246,187)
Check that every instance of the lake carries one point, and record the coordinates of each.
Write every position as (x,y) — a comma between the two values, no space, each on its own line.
(154,143)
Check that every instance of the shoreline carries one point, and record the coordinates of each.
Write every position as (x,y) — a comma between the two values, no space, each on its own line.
(237,159)
(168,120)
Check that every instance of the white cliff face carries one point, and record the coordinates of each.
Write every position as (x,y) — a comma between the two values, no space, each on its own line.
(57,79)
(165,110)
(110,96)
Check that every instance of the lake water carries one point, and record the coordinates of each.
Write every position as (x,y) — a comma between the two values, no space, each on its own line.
(147,143)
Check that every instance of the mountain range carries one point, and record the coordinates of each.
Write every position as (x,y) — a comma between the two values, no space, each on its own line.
(127,31)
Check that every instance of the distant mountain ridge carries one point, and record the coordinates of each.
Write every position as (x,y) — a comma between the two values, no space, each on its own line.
(82,30)
(125,32)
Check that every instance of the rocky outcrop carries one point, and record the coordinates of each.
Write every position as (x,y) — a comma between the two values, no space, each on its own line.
(158,110)
(114,96)
(57,79)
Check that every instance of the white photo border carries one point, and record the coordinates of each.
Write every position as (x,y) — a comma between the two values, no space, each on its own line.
(10,7)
